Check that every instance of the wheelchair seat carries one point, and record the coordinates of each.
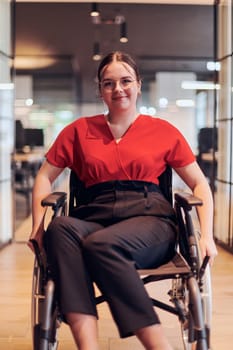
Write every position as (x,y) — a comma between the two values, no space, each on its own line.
(190,294)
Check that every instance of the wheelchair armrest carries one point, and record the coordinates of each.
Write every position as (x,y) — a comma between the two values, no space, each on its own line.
(187,200)
(55,200)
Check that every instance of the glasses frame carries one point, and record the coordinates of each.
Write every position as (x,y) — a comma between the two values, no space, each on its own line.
(125,83)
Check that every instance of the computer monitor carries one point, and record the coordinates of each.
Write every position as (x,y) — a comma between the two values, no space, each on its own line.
(34,137)
(19,135)
(207,140)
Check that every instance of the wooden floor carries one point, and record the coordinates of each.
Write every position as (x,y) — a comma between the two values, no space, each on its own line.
(16,264)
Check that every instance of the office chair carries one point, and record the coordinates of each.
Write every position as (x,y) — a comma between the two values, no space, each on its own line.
(190,292)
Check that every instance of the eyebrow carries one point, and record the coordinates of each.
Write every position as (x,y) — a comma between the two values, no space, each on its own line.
(124,77)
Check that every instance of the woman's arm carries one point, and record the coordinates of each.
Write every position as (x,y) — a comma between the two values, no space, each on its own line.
(196,181)
(42,187)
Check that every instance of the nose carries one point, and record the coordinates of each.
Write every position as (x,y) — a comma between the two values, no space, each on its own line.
(117,85)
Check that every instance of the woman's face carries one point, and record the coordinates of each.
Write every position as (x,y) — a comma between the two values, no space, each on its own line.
(119,87)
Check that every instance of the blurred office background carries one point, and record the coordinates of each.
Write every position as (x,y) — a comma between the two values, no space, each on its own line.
(49,53)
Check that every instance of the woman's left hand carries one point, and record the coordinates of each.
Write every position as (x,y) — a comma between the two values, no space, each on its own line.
(208,248)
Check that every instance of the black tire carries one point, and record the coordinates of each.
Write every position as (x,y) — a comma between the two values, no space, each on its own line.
(36,337)
(36,304)
(37,314)
(187,328)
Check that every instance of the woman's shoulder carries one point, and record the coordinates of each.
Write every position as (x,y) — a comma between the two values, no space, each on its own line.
(156,121)
(84,120)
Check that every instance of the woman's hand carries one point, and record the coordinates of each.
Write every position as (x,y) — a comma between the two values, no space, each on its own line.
(208,248)
(42,187)
(196,181)
(38,238)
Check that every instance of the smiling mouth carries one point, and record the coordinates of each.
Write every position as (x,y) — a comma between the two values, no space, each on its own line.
(119,97)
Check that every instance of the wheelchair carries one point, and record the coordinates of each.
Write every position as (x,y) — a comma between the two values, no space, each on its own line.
(190,291)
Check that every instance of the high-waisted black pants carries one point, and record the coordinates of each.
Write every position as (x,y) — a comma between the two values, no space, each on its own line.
(82,251)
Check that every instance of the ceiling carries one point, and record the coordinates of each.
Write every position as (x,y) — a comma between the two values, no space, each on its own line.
(54,40)
(184,2)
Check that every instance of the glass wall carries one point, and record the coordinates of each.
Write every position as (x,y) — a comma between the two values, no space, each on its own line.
(6,123)
(224,122)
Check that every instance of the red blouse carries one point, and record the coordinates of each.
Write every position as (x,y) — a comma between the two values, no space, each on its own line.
(88,147)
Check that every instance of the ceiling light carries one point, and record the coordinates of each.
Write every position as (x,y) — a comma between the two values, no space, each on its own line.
(119,19)
(151,111)
(147,110)
(143,110)
(199,85)
(123,34)
(6,86)
(185,103)
(163,102)
(29,102)
(34,62)
(94,10)
(213,66)
(96,52)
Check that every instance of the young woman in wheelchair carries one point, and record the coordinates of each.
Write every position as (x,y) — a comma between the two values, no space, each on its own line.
(124,223)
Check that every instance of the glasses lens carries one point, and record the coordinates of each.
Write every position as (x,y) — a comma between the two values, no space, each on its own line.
(126,82)
(109,85)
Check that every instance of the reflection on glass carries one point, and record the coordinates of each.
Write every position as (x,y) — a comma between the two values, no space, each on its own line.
(225,28)
(221,225)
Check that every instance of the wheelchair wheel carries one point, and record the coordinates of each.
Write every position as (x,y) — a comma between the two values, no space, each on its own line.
(44,314)
(187,327)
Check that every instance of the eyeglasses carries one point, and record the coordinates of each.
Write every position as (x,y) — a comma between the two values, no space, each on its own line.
(109,85)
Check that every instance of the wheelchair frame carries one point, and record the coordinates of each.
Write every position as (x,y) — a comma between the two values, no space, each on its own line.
(190,293)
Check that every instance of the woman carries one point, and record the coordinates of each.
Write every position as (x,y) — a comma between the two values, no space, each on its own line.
(125,222)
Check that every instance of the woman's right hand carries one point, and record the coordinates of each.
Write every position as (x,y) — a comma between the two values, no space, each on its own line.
(36,239)
(35,243)
(42,187)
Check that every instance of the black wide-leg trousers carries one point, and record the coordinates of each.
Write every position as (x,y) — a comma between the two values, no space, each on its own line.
(80,252)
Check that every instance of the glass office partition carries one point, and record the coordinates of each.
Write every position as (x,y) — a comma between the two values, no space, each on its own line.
(224,180)
(6,123)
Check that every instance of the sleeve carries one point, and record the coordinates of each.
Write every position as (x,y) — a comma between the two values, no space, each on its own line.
(180,153)
(61,152)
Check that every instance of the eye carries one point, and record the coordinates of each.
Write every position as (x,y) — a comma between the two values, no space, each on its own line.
(126,81)
(107,84)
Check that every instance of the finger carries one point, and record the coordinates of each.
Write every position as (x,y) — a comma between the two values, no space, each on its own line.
(211,261)
(30,245)
(212,257)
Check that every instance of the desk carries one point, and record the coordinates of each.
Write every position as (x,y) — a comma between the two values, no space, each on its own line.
(209,157)
(27,157)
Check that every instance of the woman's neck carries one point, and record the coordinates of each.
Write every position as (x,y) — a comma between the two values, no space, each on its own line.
(125,118)
(120,123)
